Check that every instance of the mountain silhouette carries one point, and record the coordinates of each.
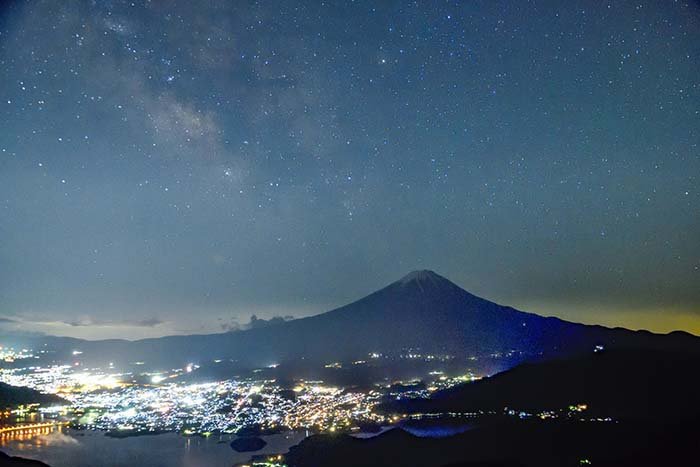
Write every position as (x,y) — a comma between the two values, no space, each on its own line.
(422,312)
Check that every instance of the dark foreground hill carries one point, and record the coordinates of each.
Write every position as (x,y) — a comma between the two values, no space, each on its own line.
(530,443)
(629,384)
(12,396)
(420,311)
(13,461)
(641,411)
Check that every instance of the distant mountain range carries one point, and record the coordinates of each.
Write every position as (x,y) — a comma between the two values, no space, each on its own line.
(422,312)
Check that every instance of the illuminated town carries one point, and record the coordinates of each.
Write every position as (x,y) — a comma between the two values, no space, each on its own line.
(128,403)
(123,404)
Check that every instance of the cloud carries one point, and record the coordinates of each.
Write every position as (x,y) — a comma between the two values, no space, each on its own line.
(232,325)
(21,323)
(256,322)
(16,328)
(148,322)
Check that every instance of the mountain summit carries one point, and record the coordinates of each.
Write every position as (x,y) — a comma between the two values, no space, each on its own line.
(425,280)
(422,276)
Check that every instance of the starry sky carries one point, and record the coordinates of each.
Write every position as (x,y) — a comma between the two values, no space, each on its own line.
(176,167)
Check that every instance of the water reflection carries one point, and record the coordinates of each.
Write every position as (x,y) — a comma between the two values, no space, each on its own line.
(64,447)
(26,431)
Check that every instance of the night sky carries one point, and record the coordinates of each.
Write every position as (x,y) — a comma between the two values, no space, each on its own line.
(175,167)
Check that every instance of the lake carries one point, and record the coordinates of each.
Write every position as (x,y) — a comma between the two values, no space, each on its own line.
(71,448)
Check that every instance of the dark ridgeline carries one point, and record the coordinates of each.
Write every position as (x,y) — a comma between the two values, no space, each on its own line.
(652,397)
(623,384)
(12,396)
(423,310)
(14,461)
(521,444)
